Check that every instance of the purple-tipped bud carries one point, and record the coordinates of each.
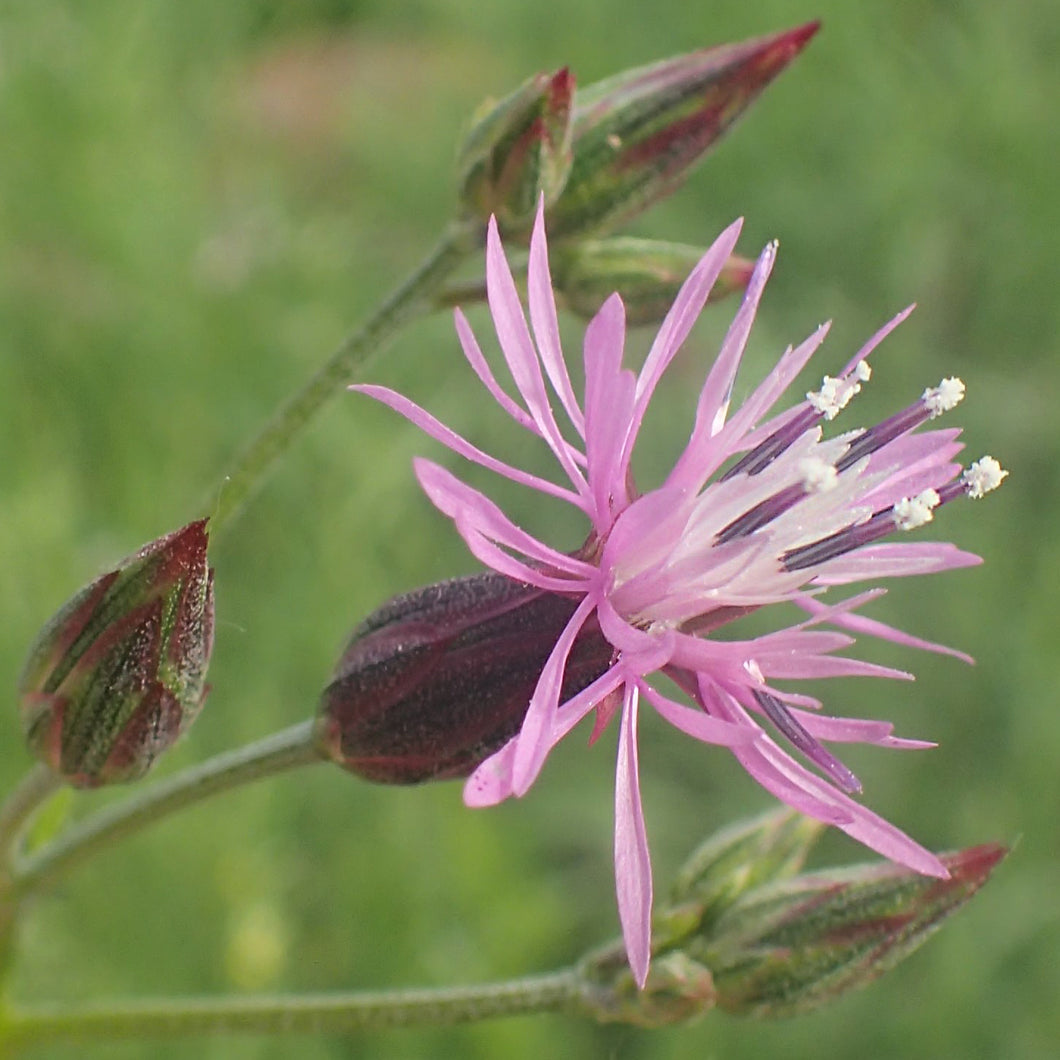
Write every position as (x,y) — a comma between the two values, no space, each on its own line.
(120,671)
(647,274)
(794,947)
(636,135)
(435,681)
(517,150)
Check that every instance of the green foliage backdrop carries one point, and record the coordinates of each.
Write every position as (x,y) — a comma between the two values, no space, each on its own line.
(197,199)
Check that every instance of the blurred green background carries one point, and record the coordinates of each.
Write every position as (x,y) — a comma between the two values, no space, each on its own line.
(198,199)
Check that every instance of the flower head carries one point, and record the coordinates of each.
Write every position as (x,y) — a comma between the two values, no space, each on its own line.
(758,509)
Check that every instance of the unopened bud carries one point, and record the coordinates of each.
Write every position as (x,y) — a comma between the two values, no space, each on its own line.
(677,989)
(647,274)
(791,948)
(436,681)
(120,671)
(517,150)
(745,856)
(636,135)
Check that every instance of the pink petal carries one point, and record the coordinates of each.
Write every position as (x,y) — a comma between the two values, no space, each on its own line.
(773,386)
(717,390)
(698,724)
(632,861)
(536,738)
(874,628)
(678,323)
(492,780)
(439,432)
(481,368)
(545,323)
(893,561)
(572,712)
(876,339)
(608,405)
(855,730)
(473,509)
(520,354)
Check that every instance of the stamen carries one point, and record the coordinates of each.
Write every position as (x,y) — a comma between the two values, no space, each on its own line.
(835,394)
(815,476)
(802,741)
(944,397)
(911,512)
(983,476)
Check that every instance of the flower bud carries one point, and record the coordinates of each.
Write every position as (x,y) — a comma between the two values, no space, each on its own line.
(745,856)
(647,274)
(517,150)
(677,989)
(119,672)
(636,135)
(435,681)
(791,948)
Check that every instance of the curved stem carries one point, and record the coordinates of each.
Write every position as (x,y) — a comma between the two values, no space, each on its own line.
(274,754)
(320,1013)
(414,296)
(39,784)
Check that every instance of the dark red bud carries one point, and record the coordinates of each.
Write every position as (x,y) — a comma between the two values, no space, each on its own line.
(437,680)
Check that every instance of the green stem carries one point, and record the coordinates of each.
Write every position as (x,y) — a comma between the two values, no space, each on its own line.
(312,1014)
(32,791)
(414,296)
(274,754)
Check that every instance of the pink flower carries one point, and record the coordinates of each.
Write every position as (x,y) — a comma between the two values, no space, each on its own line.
(756,511)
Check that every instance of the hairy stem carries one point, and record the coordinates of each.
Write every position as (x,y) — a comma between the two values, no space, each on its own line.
(274,754)
(313,1014)
(413,297)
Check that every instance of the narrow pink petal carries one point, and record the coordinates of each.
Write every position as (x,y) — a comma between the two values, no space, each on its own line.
(714,398)
(481,368)
(632,861)
(545,323)
(874,628)
(492,780)
(699,725)
(717,390)
(804,667)
(520,354)
(572,712)
(854,730)
(419,417)
(685,312)
(608,405)
(678,323)
(463,503)
(536,737)
(773,386)
(876,339)
(808,793)
(894,561)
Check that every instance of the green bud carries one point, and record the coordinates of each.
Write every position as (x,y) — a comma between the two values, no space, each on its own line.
(517,150)
(677,989)
(793,947)
(647,274)
(743,857)
(120,671)
(437,680)
(636,135)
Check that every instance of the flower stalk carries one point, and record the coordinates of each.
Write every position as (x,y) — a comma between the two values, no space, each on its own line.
(279,753)
(413,298)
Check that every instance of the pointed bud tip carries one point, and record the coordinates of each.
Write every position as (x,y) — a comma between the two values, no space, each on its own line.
(974,865)
(119,671)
